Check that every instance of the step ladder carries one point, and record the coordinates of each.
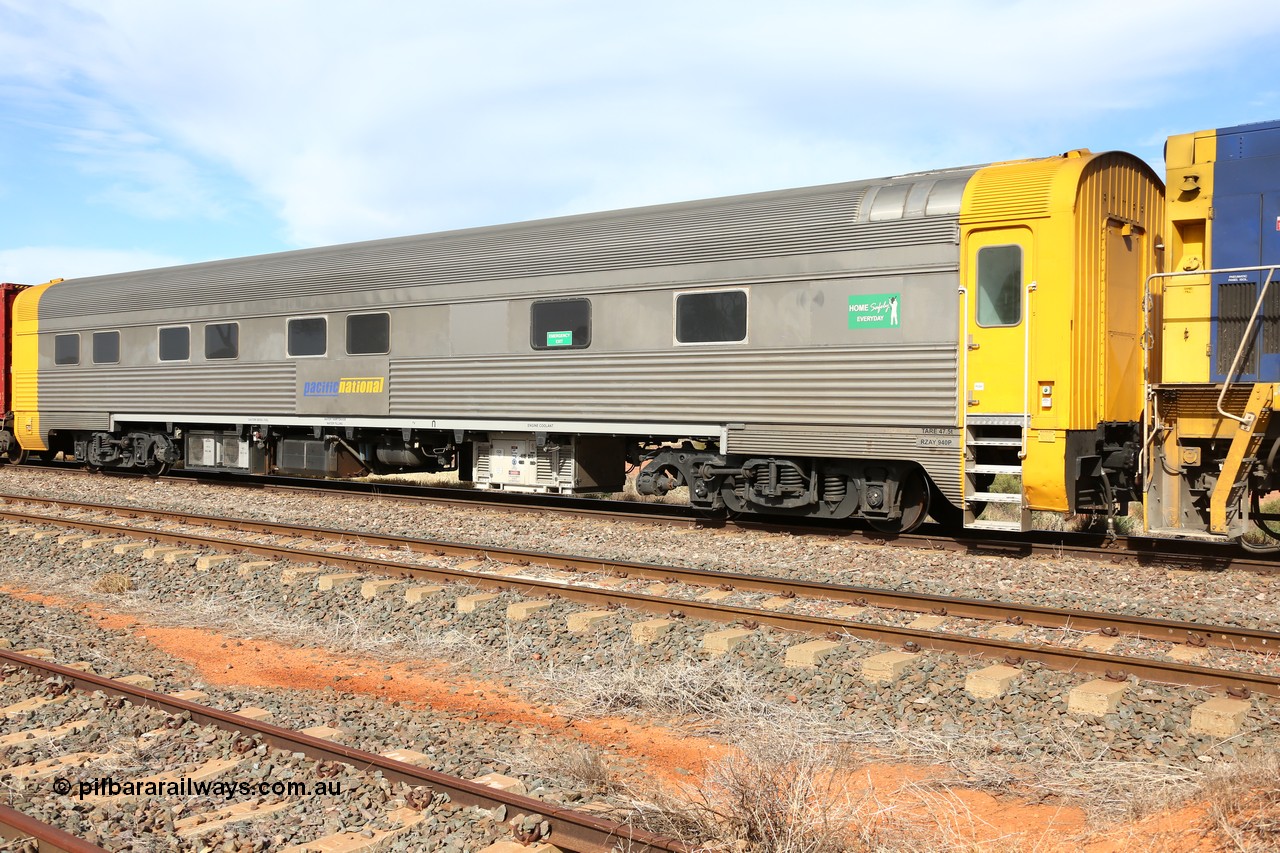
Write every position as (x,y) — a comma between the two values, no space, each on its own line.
(992,444)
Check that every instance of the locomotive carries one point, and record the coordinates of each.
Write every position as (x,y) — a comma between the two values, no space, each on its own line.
(878,350)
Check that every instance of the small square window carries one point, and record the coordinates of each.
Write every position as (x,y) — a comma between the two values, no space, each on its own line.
(711,318)
(560,324)
(66,349)
(175,343)
(307,336)
(106,347)
(222,340)
(368,334)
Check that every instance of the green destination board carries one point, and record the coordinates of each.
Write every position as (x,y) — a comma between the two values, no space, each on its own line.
(875,311)
(559,339)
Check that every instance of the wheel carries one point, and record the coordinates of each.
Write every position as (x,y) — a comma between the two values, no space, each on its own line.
(16,454)
(942,511)
(913,498)
(156,469)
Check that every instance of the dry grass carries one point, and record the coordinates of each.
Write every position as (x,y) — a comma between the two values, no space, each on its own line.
(692,690)
(113,583)
(441,480)
(775,796)
(583,763)
(785,794)
(1244,804)
(721,697)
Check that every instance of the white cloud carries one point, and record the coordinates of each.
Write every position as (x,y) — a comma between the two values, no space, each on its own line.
(38,264)
(358,121)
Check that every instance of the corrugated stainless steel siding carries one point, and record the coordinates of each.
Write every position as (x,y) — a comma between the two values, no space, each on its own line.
(828,385)
(794,222)
(230,388)
(942,463)
(73,421)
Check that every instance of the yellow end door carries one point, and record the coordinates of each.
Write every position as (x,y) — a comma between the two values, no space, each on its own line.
(999,270)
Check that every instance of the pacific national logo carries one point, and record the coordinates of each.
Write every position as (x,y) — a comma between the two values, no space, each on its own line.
(346,385)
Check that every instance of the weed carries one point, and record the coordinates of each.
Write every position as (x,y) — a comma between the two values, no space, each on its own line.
(114,583)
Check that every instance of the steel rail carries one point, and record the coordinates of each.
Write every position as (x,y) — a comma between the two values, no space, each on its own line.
(1147,628)
(1058,658)
(1188,553)
(16,826)
(571,830)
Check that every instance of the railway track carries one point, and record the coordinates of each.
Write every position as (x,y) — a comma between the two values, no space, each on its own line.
(1185,554)
(828,611)
(199,746)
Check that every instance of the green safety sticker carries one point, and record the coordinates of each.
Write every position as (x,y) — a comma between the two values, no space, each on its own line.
(559,339)
(875,311)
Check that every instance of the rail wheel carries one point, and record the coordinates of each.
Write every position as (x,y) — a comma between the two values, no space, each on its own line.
(942,511)
(16,454)
(913,497)
(155,468)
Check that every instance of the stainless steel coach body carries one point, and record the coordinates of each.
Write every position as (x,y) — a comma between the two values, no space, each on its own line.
(849,349)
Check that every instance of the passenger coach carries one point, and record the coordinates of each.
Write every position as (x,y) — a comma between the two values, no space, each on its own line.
(878,349)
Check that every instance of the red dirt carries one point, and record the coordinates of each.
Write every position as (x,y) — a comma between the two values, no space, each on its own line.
(968,816)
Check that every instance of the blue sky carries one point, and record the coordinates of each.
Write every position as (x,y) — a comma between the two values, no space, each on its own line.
(138,134)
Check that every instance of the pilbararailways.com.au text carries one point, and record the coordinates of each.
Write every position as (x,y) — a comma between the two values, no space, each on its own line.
(214,788)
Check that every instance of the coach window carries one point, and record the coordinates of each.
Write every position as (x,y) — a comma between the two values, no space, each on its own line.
(368,334)
(66,349)
(106,347)
(222,340)
(307,336)
(999,286)
(718,317)
(175,343)
(560,324)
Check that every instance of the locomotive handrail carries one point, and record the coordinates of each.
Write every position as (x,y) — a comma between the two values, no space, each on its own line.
(1148,333)
(1147,306)
(1244,342)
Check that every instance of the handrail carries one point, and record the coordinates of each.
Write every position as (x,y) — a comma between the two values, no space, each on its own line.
(1146,310)
(1026,372)
(964,347)
(1244,341)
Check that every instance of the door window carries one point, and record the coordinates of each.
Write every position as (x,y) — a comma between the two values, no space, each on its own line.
(999,286)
